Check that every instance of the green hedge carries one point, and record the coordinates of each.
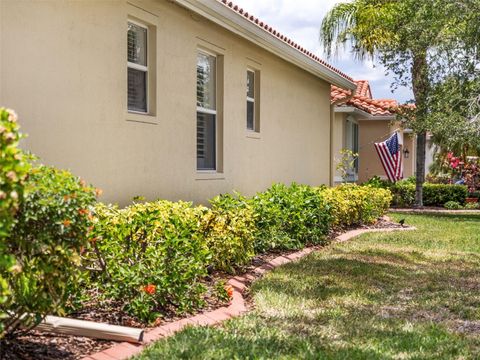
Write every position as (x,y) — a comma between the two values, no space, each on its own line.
(58,245)
(154,256)
(13,172)
(51,229)
(288,217)
(150,256)
(229,228)
(433,194)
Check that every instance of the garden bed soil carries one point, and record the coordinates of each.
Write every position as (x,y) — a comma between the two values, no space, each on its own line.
(36,345)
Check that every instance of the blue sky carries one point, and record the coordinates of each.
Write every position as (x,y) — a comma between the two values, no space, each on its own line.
(300,20)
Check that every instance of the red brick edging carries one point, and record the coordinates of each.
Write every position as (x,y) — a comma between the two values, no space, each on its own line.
(125,350)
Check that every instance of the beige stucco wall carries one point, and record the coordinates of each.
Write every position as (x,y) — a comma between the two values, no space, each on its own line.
(409,164)
(371,131)
(63,68)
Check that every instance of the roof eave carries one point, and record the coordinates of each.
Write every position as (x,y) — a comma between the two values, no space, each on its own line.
(365,115)
(228,19)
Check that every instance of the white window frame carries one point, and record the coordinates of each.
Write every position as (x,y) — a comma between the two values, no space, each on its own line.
(211,112)
(350,124)
(141,68)
(252,100)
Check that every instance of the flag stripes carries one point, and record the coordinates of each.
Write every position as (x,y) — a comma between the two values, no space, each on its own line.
(390,155)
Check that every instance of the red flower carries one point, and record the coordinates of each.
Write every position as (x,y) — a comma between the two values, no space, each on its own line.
(454,163)
(150,289)
(229,291)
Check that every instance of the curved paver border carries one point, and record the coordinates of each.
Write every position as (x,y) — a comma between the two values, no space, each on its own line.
(237,306)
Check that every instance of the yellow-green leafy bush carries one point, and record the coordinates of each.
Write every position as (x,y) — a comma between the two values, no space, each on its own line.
(354,205)
(150,256)
(229,227)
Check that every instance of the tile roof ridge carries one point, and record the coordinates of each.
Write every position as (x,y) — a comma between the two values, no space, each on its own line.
(253,19)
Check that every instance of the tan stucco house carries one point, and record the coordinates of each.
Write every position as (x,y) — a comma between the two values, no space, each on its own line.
(174,99)
(359,122)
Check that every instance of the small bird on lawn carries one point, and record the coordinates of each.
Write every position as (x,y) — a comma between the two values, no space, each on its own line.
(402,222)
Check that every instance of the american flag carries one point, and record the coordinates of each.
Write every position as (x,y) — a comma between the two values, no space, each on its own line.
(391,157)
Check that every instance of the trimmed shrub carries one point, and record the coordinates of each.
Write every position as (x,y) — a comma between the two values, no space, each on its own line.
(433,194)
(377,182)
(150,257)
(51,229)
(289,217)
(403,194)
(452,205)
(13,171)
(355,205)
(439,194)
(472,206)
(229,227)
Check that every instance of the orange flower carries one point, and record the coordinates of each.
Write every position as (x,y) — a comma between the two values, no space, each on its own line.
(66,223)
(229,291)
(98,192)
(83,211)
(150,289)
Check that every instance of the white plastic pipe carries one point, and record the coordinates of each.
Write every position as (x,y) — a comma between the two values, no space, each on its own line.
(90,329)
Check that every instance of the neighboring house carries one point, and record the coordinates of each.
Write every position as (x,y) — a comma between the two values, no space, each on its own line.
(177,99)
(358,123)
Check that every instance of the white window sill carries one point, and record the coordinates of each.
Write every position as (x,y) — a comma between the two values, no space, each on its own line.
(143,118)
(253,134)
(209,175)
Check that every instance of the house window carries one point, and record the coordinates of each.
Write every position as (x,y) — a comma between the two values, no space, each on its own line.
(250,100)
(253,103)
(206,111)
(138,72)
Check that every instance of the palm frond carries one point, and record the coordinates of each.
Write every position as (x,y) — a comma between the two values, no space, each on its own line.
(336,27)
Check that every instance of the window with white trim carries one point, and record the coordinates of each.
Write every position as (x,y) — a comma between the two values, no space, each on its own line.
(137,67)
(251,100)
(206,111)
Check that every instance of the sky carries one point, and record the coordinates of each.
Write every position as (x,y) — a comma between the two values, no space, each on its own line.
(300,20)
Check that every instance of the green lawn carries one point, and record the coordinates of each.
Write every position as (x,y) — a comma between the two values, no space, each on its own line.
(403,295)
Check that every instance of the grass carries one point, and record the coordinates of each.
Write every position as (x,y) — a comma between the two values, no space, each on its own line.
(403,295)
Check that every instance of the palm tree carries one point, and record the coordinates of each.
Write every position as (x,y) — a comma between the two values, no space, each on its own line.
(413,39)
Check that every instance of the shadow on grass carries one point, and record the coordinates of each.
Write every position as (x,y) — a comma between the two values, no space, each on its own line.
(251,339)
(367,304)
(413,295)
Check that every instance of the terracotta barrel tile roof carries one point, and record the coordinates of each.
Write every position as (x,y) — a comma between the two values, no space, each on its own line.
(281,37)
(363,99)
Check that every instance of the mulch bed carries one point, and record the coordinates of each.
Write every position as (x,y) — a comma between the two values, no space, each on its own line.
(36,345)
